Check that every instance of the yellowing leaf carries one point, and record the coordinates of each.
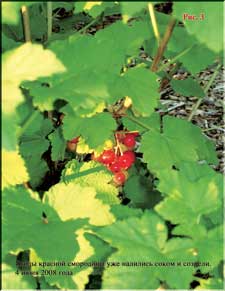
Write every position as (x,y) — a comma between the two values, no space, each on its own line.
(82,278)
(11,280)
(90,4)
(13,169)
(73,201)
(27,62)
(85,252)
(94,175)
(11,11)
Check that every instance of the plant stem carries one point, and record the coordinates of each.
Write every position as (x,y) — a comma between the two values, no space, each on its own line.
(164,66)
(78,32)
(213,128)
(163,44)
(197,104)
(138,122)
(49,19)
(154,22)
(88,25)
(28,122)
(26,23)
(81,174)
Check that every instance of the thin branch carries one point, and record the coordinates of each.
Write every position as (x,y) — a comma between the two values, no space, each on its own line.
(197,104)
(154,22)
(173,60)
(138,122)
(26,23)
(49,19)
(88,25)
(214,128)
(78,33)
(163,44)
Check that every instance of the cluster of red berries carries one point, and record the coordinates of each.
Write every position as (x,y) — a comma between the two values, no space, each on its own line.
(120,158)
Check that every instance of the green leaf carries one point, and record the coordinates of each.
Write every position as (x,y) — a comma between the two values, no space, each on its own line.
(111,43)
(70,201)
(204,30)
(180,141)
(33,144)
(123,211)
(143,239)
(136,240)
(38,21)
(152,122)
(95,8)
(188,87)
(29,119)
(196,231)
(125,39)
(92,175)
(191,198)
(141,86)
(193,55)
(58,145)
(86,127)
(37,169)
(7,43)
(22,216)
(139,190)
(132,8)
(101,251)
(36,130)
(214,240)
(215,217)
(202,251)
(81,90)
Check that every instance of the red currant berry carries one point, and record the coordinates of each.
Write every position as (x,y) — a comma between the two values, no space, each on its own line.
(120,136)
(107,157)
(120,178)
(126,160)
(75,140)
(129,140)
(114,167)
(71,146)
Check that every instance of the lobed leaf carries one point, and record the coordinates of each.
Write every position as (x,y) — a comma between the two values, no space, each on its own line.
(188,87)
(191,198)
(180,141)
